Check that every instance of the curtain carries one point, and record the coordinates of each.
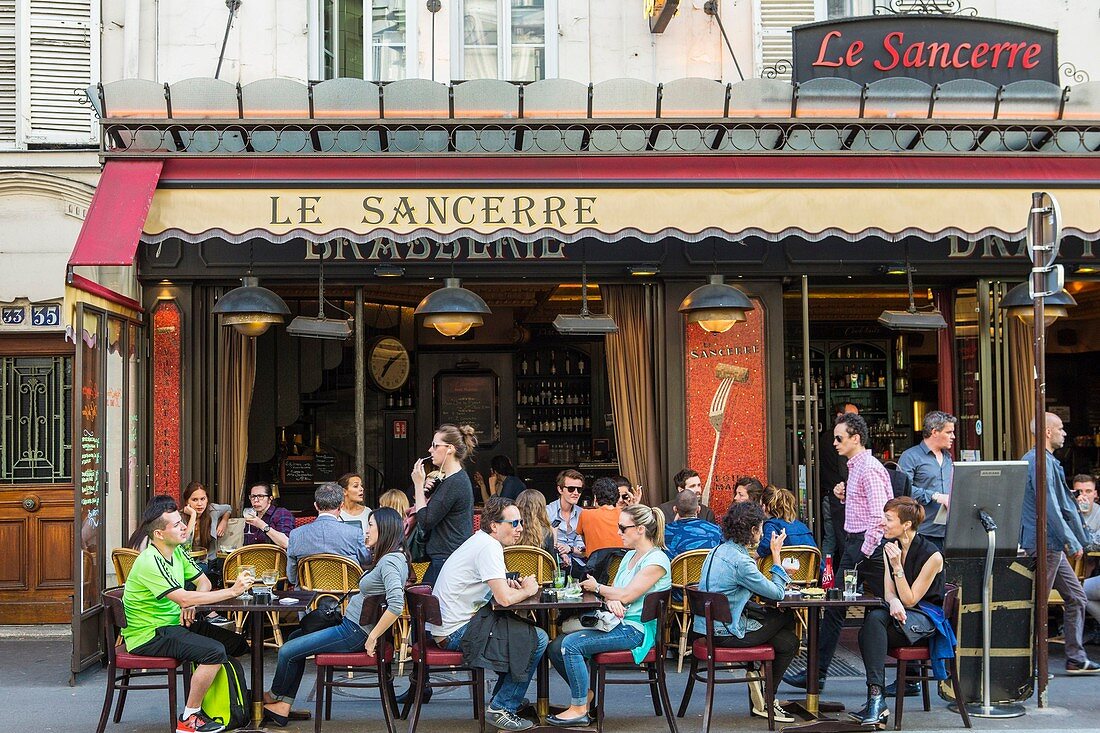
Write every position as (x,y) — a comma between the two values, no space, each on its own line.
(630,376)
(1021,339)
(235,382)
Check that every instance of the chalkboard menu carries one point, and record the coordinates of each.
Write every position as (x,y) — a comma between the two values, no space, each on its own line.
(298,470)
(324,467)
(469,398)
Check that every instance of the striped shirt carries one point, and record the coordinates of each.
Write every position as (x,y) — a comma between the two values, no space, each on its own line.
(866,493)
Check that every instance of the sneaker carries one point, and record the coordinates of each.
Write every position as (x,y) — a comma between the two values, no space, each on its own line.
(505,720)
(756,695)
(1086,667)
(217,620)
(199,723)
(780,715)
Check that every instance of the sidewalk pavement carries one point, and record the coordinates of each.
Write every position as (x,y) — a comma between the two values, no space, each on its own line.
(35,696)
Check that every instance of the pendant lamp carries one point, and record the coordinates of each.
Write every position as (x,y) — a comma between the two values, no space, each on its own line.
(1019,303)
(452,310)
(251,309)
(716,307)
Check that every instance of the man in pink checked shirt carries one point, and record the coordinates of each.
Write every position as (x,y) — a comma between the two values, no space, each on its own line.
(865,494)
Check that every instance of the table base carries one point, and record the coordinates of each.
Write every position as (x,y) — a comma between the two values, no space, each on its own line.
(810,707)
(831,725)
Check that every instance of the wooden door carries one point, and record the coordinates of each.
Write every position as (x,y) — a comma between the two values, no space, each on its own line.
(36,481)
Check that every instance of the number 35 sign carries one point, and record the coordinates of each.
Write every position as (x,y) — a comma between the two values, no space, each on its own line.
(33,316)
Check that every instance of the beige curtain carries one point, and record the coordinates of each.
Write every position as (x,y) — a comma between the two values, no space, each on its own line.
(235,381)
(1022,379)
(630,376)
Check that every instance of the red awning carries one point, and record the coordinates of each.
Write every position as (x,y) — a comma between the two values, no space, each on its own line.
(119,207)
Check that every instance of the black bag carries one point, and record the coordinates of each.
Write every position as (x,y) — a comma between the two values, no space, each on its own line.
(329,613)
(418,544)
(917,626)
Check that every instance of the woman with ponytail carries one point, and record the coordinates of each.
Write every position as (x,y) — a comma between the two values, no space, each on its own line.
(643,570)
(449,517)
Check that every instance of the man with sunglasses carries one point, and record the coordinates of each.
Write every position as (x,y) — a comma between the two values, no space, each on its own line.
(267,523)
(473,574)
(867,490)
(564,513)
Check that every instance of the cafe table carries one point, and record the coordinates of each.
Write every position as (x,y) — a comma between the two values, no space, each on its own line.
(812,707)
(586,602)
(255,612)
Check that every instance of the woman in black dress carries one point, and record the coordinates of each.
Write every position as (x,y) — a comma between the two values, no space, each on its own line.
(913,575)
(448,517)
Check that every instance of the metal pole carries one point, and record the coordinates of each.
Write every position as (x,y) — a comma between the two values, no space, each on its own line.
(1042,589)
(360,384)
(812,497)
(234,6)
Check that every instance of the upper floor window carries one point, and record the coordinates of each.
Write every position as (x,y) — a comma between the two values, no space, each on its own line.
(850,8)
(506,39)
(369,39)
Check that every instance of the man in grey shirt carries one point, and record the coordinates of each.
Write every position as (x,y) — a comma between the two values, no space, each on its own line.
(929,465)
(326,534)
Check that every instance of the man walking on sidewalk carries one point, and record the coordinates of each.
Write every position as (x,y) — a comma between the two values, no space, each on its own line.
(866,493)
(160,614)
(1065,533)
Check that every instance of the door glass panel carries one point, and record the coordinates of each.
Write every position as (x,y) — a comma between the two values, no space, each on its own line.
(35,419)
(480,38)
(114,447)
(134,491)
(90,465)
(967,431)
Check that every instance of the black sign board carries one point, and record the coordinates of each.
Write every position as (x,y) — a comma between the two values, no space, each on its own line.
(298,470)
(933,49)
(469,398)
(324,467)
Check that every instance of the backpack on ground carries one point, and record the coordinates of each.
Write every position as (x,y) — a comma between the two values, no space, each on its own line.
(228,698)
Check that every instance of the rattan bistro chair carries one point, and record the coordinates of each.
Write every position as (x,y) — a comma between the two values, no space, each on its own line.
(329,576)
(123,559)
(262,557)
(528,560)
(686,569)
(802,564)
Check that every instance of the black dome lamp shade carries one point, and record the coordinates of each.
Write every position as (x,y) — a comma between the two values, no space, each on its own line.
(452,310)
(251,309)
(716,306)
(1018,302)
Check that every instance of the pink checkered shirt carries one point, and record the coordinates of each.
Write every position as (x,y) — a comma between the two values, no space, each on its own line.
(866,493)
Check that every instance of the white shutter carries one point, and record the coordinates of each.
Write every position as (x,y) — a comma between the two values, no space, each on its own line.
(62,60)
(774,19)
(7,73)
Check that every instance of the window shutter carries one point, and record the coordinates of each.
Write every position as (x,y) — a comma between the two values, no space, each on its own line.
(62,60)
(774,20)
(7,73)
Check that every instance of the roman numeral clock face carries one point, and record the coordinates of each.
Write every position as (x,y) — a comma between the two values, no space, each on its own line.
(388,364)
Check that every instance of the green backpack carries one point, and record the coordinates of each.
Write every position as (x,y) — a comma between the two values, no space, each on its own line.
(228,699)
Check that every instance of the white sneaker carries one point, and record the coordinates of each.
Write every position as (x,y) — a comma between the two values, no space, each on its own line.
(756,695)
(780,715)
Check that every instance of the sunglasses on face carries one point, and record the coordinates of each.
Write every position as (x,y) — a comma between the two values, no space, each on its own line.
(624,497)
(433,446)
(516,523)
(624,528)
(838,438)
(571,489)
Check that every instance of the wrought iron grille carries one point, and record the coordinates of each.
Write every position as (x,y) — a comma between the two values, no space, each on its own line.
(35,407)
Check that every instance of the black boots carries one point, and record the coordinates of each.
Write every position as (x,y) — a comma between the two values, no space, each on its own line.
(875,711)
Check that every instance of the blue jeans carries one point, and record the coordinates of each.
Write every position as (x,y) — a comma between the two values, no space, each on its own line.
(344,637)
(570,653)
(508,692)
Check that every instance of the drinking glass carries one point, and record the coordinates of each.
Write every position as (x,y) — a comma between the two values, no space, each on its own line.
(850,582)
(243,571)
(269,577)
(559,579)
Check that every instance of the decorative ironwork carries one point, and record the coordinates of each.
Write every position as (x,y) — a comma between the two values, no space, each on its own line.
(781,69)
(924,7)
(1068,70)
(36,415)
(170,138)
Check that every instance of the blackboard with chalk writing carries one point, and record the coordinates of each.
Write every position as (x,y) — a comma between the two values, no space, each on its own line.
(469,398)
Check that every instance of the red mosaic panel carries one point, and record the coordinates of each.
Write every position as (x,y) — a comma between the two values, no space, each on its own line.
(726,385)
(167,404)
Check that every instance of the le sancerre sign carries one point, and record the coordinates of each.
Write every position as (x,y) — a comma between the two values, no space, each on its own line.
(933,49)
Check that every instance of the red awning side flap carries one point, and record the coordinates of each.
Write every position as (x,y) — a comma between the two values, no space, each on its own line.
(117,215)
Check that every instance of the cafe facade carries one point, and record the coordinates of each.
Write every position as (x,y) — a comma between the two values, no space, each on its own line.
(353,202)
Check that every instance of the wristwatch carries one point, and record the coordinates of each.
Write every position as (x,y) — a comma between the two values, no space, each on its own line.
(266,529)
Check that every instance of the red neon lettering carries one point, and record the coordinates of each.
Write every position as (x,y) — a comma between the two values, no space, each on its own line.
(821,52)
(977,59)
(1029,61)
(888,46)
(943,49)
(955,62)
(914,56)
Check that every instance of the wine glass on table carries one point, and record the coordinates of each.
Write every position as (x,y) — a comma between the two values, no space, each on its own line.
(247,570)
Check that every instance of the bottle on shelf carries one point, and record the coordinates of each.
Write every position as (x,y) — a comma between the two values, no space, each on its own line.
(553,363)
(568,363)
(523,366)
(538,366)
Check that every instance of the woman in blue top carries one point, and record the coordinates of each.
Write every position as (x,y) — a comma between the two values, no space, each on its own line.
(731,569)
(387,574)
(782,509)
(644,569)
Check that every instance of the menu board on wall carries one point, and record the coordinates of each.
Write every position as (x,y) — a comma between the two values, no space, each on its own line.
(469,398)
(298,470)
(324,467)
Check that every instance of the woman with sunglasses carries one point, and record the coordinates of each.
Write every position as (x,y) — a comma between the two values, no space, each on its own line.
(386,575)
(449,517)
(644,570)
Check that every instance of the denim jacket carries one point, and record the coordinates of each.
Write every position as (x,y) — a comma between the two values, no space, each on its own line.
(731,569)
(1065,530)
